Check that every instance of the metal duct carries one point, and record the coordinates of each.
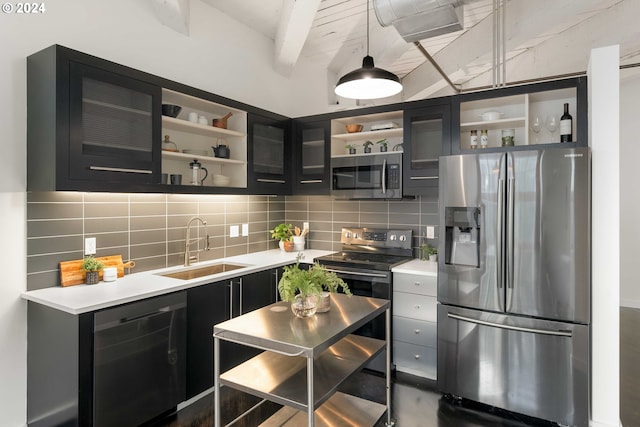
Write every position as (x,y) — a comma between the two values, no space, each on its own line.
(420,19)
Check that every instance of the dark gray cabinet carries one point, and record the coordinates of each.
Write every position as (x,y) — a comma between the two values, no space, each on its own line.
(214,303)
(312,153)
(427,136)
(92,125)
(268,154)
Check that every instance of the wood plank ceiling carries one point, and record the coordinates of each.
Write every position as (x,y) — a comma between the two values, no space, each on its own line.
(542,38)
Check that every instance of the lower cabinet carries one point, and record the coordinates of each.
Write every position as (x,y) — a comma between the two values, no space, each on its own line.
(415,324)
(214,303)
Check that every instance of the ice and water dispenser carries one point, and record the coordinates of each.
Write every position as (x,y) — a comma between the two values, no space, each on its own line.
(462,236)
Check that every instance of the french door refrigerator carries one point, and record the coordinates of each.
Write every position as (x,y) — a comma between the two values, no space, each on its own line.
(514,281)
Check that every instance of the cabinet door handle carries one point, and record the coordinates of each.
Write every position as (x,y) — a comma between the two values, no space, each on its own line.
(417,331)
(311,181)
(108,169)
(272,181)
(417,178)
(417,306)
(417,356)
(417,283)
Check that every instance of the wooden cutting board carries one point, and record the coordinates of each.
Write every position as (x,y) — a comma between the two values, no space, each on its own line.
(71,272)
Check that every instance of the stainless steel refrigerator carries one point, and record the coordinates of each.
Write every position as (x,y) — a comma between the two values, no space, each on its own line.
(514,281)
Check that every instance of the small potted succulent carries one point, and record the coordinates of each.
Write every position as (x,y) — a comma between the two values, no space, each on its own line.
(92,268)
(383,144)
(283,233)
(367,146)
(351,148)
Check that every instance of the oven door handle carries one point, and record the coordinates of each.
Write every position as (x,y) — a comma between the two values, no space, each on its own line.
(354,273)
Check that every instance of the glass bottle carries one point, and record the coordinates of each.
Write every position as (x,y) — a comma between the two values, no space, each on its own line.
(566,125)
(473,139)
(484,138)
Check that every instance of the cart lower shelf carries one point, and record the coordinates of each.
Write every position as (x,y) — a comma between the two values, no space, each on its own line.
(340,410)
(283,379)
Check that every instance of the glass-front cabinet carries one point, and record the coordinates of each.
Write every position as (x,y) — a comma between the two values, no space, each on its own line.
(427,137)
(113,126)
(312,150)
(268,155)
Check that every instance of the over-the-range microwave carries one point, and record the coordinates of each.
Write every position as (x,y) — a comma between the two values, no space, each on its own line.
(367,176)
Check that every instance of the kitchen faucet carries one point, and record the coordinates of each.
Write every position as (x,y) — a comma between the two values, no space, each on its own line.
(188,242)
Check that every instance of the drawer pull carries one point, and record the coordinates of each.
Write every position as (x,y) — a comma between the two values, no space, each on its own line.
(417,356)
(417,307)
(417,331)
(417,283)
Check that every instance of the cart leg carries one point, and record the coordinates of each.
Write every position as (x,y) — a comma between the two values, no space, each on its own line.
(389,422)
(310,401)
(216,382)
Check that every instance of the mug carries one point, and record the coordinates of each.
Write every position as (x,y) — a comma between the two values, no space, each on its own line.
(203,120)
(176,179)
(193,117)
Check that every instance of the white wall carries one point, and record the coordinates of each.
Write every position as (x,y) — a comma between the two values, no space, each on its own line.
(629,180)
(604,117)
(218,56)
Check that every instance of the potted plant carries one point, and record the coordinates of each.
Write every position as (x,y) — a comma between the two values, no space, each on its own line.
(283,233)
(304,287)
(383,144)
(92,267)
(351,148)
(367,146)
(429,252)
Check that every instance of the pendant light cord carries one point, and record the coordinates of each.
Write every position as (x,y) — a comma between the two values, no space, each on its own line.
(367,27)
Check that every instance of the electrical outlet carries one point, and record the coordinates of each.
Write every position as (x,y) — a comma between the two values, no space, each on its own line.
(431,232)
(245,230)
(234,231)
(90,246)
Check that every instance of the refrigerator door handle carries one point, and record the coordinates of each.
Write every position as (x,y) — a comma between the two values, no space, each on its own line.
(511,327)
(510,232)
(499,237)
(384,176)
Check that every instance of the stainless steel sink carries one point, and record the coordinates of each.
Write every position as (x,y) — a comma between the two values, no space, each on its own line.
(195,272)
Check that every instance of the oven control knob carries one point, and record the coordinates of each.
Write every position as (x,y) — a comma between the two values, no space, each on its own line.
(356,236)
(347,234)
(403,237)
(393,237)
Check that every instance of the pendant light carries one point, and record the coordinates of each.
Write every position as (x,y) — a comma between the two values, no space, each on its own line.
(368,82)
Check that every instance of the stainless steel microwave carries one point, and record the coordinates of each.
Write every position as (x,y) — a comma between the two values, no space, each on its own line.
(367,176)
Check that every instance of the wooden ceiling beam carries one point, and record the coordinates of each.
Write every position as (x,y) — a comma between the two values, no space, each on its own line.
(173,13)
(294,26)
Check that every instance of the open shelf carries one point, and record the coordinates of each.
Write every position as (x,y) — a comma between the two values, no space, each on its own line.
(282,379)
(341,409)
(196,128)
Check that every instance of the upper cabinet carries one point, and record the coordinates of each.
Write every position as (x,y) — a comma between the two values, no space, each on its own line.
(269,155)
(427,136)
(520,117)
(312,145)
(92,124)
(205,144)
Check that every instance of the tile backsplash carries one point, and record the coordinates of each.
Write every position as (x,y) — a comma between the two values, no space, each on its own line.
(150,228)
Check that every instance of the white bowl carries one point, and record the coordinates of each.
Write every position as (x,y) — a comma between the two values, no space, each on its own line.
(491,115)
(221,180)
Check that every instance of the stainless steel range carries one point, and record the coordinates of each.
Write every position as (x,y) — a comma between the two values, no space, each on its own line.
(365,263)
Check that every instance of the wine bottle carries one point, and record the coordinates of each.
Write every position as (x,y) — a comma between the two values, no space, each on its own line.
(566,125)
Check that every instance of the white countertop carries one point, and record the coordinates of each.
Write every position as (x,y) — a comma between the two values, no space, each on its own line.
(132,287)
(417,266)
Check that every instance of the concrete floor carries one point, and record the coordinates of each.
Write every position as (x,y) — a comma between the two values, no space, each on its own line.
(417,403)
